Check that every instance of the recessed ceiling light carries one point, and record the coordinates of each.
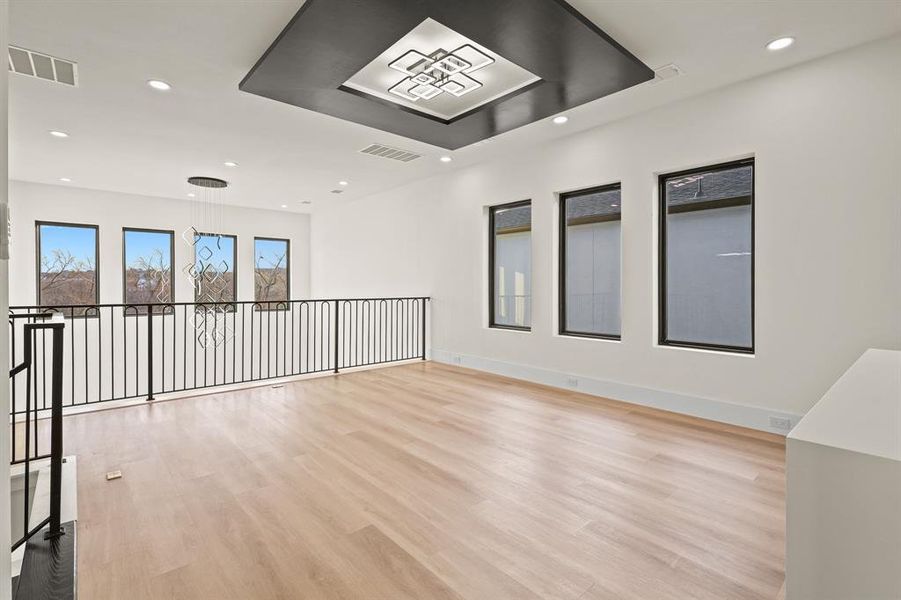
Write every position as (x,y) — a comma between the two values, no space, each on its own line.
(65,179)
(342,183)
(445,159)
(230,163)
(780,43)
(59,134)
(158,84)
(191,194)
(284,206)
(560,120)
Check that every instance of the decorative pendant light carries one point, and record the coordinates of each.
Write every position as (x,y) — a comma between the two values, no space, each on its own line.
(208,273)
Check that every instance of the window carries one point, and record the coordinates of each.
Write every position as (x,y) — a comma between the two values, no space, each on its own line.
(510,263)
(590,262)
(147,267)
(67,265)
(271,270)
(215,258)
(707,257)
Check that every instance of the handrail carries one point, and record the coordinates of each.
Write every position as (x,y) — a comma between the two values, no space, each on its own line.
(116,351)
(56,431)
(56,307)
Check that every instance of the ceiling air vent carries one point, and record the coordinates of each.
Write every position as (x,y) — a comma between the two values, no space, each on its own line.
(667,72)
(388,152)
(337,191)
(42,66)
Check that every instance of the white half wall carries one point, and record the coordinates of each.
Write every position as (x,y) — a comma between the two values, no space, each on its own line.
(826,137)
(112,211)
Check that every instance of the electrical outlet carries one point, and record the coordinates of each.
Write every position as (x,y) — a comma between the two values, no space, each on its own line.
(113,475)
(572,382)
(782,423)
(458,359)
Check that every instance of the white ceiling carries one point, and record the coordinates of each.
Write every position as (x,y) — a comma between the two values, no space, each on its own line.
(126,137)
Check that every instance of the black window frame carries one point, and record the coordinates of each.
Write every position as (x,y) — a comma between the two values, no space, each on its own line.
(561,284)
(662,339)
(171,233)
(491,239)
(37,256)
(287,272)
(234,237)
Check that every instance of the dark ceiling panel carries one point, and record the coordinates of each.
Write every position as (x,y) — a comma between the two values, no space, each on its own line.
(328,41)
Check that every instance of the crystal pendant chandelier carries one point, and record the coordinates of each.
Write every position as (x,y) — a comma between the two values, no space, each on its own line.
(207,273)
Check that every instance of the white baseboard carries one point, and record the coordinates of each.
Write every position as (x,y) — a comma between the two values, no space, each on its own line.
(754,417)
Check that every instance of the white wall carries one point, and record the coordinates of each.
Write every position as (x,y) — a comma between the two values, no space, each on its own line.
(826,137)
(5,588)
(32,202)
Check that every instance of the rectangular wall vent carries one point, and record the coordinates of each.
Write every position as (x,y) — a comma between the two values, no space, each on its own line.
(42,66)
(388,152)
(667,72)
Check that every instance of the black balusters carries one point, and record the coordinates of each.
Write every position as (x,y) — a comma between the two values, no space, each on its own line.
(123,351)
(150,352)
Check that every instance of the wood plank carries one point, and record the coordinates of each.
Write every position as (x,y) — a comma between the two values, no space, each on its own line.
(424,481)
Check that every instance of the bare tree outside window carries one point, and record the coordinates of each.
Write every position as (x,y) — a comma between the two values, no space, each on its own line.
(147,273)
(67,265)
(215,256)
(271,274)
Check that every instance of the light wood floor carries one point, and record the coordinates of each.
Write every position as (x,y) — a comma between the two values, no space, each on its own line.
(423,481)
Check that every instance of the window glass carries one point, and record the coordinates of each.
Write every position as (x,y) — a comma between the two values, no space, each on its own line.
(214,264)
(591,266)
(271,269)
(511,268)
(707,286)
(148,267)
(67,264)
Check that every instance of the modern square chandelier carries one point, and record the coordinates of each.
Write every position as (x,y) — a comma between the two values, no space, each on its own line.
(441,71)
(432,68)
